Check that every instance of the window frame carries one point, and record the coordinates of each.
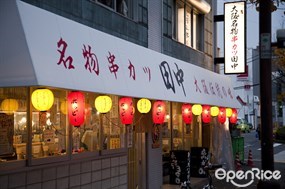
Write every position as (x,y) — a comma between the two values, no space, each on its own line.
(29,159)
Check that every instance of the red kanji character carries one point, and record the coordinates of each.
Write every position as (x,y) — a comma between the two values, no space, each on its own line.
(234,38)
(196,84)
(147,71)
(205,86)
(69,59)
(114,67)
(91,60)
(132,70)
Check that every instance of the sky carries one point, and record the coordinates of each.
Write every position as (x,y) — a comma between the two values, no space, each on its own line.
(278,22)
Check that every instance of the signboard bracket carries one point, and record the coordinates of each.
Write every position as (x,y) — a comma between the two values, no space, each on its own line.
(219,60)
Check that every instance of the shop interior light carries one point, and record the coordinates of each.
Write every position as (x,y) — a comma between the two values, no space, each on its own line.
(126,110)
(88,109)
(187,113)
(197,109)
(63,107)
(42,99)
(144,105)
(158,112)
(206,116)
(76,108)
(167,117)
(103,104)
(214,111)
(229,112)
(9,106)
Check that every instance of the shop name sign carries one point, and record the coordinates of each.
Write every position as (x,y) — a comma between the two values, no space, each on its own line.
(235,37)
(82,58)
(244,179)
(173,78)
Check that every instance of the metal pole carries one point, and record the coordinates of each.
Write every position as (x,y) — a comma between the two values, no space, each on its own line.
(267,160)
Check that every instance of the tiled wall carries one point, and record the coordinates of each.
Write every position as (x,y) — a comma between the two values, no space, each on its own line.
(100,174)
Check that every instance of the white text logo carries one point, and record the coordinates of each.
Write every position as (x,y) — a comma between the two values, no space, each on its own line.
(247,175)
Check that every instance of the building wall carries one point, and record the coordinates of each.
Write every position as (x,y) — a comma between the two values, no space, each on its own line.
(154,25)
(96,16)
(180,51)
(109,172)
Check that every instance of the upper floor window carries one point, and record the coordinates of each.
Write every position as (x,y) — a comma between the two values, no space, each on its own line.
(182,22)
(143,12)
(186,24)
(167,18)
(123,7)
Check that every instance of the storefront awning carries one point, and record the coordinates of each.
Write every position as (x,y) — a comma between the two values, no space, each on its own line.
(44,49)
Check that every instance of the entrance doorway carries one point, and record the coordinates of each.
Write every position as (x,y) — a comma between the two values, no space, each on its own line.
(137,162)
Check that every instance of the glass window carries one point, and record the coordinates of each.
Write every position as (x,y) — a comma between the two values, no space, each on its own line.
(186,25)
(176,135)
(86,138)
(195,41)
(142,12)
(166,131)
(177,128)
(52,132)
(123,7)
(108,3)
(167,18)
(188,32)
(113,130)
(180,22)
(13,124)
(50,128)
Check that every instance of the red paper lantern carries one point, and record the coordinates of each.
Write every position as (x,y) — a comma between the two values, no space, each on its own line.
(158,112)
(233,118)
(222,115)
(126,110)
(187,113)
(76,108)
(206,115)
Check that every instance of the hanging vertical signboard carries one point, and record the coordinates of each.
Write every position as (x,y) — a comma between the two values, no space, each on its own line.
(235,37)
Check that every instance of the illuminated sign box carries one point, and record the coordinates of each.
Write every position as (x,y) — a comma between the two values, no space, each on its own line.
(235,36)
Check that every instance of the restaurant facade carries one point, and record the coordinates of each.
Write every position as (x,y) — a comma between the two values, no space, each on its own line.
(94,93)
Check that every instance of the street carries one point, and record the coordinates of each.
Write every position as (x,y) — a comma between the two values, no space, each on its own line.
(253,144)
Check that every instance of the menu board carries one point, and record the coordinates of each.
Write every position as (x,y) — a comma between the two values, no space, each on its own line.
(199,158)
(179,167)
(6,133)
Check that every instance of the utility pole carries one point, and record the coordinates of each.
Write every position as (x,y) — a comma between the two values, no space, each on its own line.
(267,159)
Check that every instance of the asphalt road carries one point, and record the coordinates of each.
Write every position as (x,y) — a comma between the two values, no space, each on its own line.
(253,144)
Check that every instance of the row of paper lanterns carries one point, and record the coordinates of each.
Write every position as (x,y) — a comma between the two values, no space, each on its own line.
(43,99)
(207,112)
